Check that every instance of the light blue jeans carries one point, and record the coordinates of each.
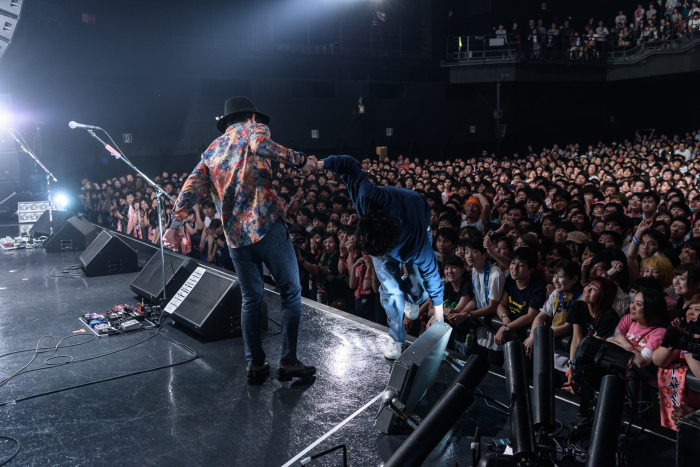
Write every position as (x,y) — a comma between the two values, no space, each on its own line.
(394,292)
(277,252)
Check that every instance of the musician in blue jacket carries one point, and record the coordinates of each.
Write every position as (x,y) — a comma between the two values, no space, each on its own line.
(394,228)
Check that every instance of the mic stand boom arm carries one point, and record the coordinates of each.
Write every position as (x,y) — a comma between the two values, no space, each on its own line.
(49,175)
(159,195)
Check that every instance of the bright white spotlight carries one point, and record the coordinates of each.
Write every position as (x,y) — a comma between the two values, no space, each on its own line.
(5,118)
(61,201)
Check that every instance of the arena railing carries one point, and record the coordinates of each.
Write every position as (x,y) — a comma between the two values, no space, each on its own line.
(475,50)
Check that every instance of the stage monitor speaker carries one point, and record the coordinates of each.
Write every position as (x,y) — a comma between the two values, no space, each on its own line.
(75,234)
(42,226)
(209,303)
(108,255)
(149,283)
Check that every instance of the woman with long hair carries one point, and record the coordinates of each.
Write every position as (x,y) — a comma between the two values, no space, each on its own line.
(642,330)
(592,316)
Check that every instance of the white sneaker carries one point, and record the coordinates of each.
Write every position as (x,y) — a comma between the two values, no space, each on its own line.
(411,310)
(392,351)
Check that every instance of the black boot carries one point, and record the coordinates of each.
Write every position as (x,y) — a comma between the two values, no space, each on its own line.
(257,375)
(299,370)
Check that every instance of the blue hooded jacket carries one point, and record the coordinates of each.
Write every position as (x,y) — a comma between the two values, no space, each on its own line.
(415,244)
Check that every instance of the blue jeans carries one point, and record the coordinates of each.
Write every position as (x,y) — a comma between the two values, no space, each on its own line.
(394,292)
(277,252)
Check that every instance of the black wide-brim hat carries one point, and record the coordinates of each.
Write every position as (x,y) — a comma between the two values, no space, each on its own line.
(236,105)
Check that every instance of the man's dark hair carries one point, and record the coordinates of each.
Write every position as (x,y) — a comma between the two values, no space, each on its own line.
(448,234)
(659,237)
(568,226)
(454,219)
(527,255)
(453,260)
(378,233)
(553,218)
(685,221)
(518,207)
(342,200)
(652,194)
(321,216)
(680,205)
(475,243)
(616,237)
(317,231)
(207,203)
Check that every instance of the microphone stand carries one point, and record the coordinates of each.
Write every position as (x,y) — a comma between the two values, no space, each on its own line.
(159,195)
(49,175)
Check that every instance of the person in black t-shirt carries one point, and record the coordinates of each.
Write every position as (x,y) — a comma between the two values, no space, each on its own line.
(592,316)
(523,296)
(458,293)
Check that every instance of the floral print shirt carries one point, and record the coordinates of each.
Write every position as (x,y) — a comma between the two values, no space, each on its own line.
(236,170)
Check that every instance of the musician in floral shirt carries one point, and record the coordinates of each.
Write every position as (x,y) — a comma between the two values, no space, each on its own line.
(236,170)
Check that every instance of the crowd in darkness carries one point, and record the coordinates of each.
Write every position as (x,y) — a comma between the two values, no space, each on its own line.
(661,22)
(600,240)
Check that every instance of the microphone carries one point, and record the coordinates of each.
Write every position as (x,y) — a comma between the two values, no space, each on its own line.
(81,125)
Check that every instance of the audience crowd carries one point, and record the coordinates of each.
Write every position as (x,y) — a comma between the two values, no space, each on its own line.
(656,25)
(600,240)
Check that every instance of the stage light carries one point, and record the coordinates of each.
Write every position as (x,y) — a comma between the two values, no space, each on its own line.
(61,201)
(5,118)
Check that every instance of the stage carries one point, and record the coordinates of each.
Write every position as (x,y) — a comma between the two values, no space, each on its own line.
(201,411)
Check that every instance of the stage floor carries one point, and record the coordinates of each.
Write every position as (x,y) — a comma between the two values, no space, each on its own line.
(202,412)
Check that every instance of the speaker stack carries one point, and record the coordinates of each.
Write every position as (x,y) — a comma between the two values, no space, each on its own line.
(108,255)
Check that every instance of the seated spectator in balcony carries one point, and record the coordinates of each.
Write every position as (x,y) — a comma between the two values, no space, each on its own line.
(576,46)
(551,49)
(651,11)
(638,16)
(502,33)
(592,316)
(621,18)
(522,298)
(645,36)
(681,26)
(514,35)
(533,44)
(566,277)
(665,32)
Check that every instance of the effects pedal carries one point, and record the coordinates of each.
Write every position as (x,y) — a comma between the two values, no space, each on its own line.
(130,325)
